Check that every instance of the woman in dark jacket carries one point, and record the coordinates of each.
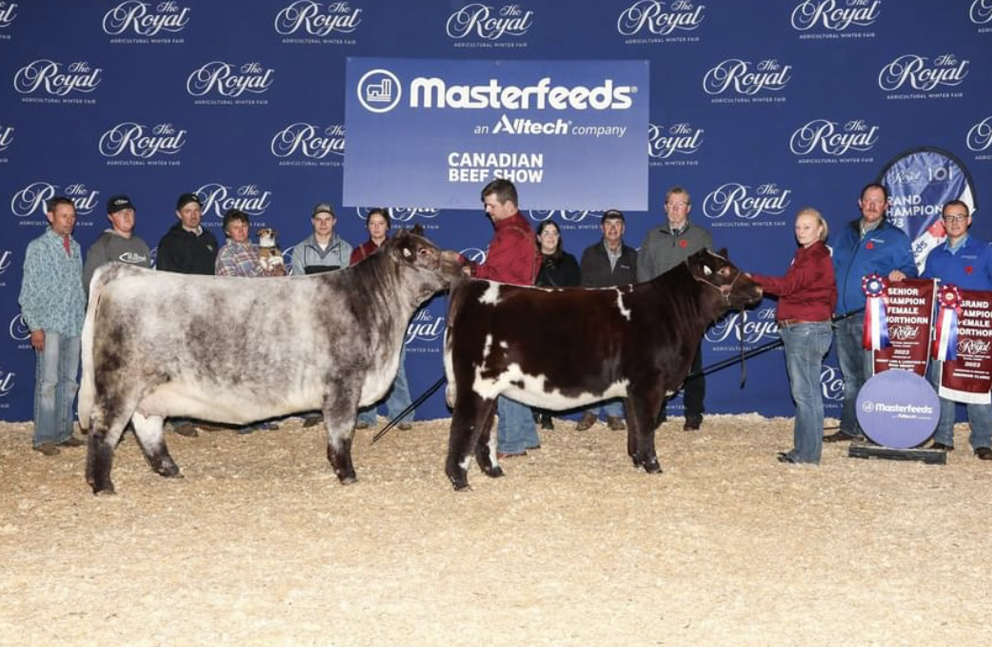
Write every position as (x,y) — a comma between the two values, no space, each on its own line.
(559,269)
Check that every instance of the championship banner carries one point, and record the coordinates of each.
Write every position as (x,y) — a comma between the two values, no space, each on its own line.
(920,182)
(910,319)
(968,377)
(432,133)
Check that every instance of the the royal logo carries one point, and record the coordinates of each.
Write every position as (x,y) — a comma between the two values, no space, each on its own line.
(18,330)
(144,20)
(981,12)
(218,198)
(474,254)
(903,332)
(741,201)
(751,327)
(57,79)
(229,81)
(7,13)
(83,198)
(679,138)
(565,215)
(980,135)
(316,20)
(746,78)
(835,16)
(405,214)
(920,73)
(488,24)
(6,383)
(6,256)
(308,140)
(32,199)
(144,142)
(830,138)
(658,19)
(6,136)
(831,384)
(424,327)
(974,346)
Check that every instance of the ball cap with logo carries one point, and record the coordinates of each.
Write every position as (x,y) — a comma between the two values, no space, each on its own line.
(185,199)
(119,203)
(323,207)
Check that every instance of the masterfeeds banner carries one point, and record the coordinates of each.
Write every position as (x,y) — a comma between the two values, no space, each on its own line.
(432,133)
(909,312)
(968,378)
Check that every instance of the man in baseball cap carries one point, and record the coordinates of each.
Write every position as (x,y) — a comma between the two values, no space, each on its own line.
(117,243)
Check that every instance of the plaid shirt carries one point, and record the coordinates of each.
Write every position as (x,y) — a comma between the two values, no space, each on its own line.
(238,259)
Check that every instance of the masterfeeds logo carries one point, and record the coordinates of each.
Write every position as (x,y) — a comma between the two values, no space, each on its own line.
(488,23)
(747,79)
(380,91)
(660,19)
(311,21)
(45,76)
(822,137)
(308,144)
(681,138)
(218,198)
(229,82)
(32,201)
(142,19)
(914,72)
(746,204)
(835,16)
(141,143)
(980,137)
(981,13)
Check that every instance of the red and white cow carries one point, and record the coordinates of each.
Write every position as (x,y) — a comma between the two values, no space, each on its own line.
(569,347)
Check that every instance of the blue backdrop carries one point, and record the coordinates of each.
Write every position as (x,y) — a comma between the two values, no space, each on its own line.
(758,109)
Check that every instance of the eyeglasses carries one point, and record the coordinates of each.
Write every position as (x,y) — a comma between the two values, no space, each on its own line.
(955,218)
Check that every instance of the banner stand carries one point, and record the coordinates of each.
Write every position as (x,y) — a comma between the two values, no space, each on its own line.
(867,450)
(898,411)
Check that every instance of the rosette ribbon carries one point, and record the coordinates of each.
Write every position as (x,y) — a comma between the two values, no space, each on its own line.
(876,330)
(945,343)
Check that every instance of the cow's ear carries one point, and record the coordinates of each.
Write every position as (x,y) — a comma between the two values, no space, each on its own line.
(417,229)
(723,252)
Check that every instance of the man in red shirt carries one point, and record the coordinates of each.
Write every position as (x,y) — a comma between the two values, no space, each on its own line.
(512,258)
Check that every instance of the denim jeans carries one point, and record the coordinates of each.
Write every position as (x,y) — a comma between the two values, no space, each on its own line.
(855,368)
(397,399)
(515,430)
(611,408)
(805,347)
(55,388)
(979,417)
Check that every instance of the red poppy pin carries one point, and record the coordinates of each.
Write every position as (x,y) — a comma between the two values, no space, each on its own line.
(683,244)
(968,270)
(870,245)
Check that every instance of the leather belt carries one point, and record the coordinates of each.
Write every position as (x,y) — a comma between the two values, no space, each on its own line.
(785,323)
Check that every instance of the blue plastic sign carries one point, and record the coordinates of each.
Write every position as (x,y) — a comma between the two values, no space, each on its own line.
(898,408)
(432,133)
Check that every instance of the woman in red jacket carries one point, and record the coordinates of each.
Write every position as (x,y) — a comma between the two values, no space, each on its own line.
(807,296)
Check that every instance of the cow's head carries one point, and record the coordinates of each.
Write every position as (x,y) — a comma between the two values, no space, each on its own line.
(410,247)
(732,288)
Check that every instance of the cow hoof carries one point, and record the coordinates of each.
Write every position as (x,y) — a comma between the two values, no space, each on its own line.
(462,487)
(103,490)
(652,467)
(459,482)
(168,470)
(347,479)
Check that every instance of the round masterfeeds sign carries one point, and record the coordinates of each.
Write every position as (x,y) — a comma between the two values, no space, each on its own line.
(898,408)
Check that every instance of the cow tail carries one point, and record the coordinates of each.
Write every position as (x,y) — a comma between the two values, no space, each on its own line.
(87,386)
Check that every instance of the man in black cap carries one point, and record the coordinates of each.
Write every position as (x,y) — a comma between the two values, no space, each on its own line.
(187,248)
(117,243)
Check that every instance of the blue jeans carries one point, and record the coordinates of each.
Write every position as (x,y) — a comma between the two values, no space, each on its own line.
(979,417)
(611,408)
(55,388)
(515,430)
(397,399)
(855,368)
(805,347)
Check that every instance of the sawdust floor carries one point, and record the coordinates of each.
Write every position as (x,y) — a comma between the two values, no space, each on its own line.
(260,545)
